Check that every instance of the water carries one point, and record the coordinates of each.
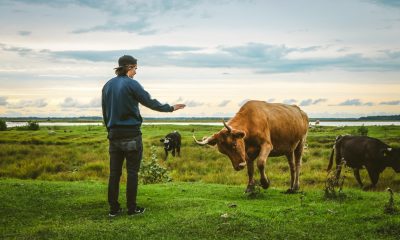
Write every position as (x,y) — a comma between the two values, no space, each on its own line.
(20,124)
(330,123)
(341,124)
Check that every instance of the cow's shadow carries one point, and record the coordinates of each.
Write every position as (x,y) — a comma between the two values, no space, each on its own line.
(257,192)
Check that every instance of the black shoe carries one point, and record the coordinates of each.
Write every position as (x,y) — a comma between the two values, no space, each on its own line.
(136,211)
(115,212)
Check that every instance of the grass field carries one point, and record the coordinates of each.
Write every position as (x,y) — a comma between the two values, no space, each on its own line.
(34,209)
(81,153)
(53,185)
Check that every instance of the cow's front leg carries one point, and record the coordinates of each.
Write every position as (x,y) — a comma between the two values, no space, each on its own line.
(166,153)
(173,152)
(262,159)
(250,172)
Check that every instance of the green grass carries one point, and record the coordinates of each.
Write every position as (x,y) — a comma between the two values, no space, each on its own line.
(34,209)
(204,186)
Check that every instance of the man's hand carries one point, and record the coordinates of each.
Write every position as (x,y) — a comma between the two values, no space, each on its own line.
(179,106)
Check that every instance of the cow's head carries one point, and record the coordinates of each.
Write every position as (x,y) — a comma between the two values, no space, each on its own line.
(168,143)
(393,157)
(231,143)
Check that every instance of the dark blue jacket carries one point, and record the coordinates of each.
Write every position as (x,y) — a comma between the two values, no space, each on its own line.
(120,99)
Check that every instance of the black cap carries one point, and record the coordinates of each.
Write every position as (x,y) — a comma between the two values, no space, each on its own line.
(126,60)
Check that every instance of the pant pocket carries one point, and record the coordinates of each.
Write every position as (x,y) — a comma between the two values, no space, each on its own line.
(130,145)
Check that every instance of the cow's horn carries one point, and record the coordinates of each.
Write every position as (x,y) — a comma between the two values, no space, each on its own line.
(226,125)
(204,142)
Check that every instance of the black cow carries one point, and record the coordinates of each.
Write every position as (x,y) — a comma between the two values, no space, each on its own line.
(171,142)
(360,151)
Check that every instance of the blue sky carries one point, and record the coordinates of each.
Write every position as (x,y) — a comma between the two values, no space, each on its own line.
(333,58)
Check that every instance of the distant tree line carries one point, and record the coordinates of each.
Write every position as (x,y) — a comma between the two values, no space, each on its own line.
(210,119)
(381,118)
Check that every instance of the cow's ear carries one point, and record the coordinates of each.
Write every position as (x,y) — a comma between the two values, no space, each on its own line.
(162,140)
(238,134)
(386,151)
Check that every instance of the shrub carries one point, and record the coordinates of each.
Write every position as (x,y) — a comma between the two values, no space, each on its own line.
(3,125)
(152,172)
(362,130)
(32,125)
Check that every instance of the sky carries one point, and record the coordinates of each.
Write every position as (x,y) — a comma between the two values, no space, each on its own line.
(331,58)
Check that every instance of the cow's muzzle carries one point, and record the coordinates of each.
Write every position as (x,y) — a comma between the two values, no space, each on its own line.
(240,166)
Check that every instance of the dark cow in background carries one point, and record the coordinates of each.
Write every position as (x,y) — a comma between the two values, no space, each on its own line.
(360,151)
(260,130)
(172,142)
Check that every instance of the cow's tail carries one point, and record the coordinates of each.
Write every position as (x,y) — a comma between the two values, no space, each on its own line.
(331,159)
(333,153)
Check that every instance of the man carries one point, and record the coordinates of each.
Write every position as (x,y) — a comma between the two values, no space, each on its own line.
(120,98)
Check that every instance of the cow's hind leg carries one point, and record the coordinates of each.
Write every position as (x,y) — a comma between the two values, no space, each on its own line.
(374,176)
(290,158)
(357,176)
(262,159)
(298,153)
(178,149)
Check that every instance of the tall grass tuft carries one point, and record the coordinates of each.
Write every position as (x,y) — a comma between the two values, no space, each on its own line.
(334,185)
(390,208)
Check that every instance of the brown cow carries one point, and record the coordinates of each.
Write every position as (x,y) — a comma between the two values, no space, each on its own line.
(260,130)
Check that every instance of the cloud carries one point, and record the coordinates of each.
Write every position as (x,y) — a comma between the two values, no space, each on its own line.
(289,101)
(119,13)
(125,7)
(3,101)
(261,58)
(368,104)
(38,103)
(306,102)
(396,102)
(271,100)
(73,103)
(141,27)
(191,103)
(389,3)
(354,102)
(151,56)
(351,102)
(224,103)
(319,100)
(19,50)
(24,33)
(309,102)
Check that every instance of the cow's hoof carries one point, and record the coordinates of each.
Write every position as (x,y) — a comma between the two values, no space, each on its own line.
(369,187)
(291,191)
(264,183)
(250,188)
